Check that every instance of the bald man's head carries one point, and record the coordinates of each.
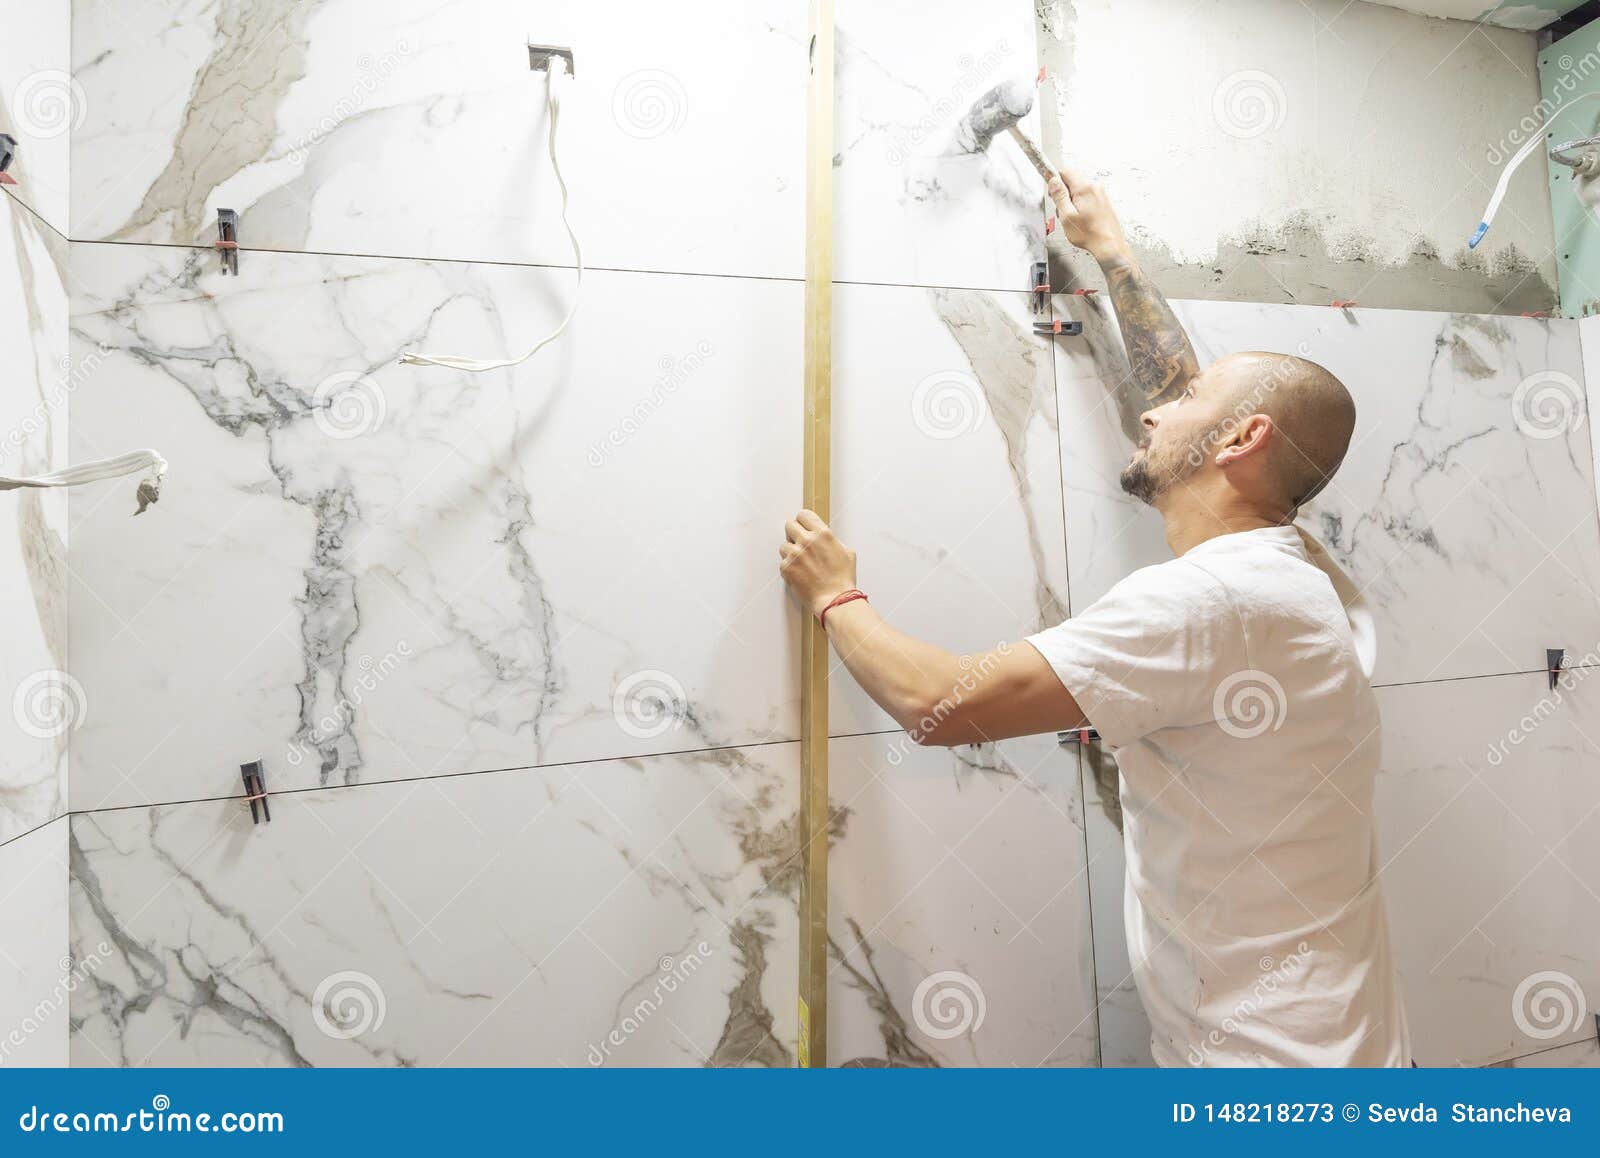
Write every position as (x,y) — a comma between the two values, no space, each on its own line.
(1289,459)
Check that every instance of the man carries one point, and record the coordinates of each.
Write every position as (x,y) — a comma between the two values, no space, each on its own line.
(1233,683)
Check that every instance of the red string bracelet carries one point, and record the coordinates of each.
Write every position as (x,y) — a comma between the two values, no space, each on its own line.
(849,596)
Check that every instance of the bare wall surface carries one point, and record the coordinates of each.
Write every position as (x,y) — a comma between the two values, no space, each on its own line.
(1272,152)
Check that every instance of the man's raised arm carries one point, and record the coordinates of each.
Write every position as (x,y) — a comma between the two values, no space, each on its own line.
(1159,352)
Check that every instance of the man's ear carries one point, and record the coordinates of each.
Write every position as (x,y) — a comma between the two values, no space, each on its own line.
(1251,436)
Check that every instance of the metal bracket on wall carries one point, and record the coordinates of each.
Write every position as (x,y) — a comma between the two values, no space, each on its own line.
(540,55)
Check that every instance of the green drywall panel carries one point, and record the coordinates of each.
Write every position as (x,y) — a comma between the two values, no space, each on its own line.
(1569,71)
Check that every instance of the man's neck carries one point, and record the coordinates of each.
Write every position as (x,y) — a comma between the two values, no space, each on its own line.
(1191,519)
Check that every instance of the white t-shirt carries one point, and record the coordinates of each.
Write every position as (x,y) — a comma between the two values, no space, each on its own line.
(1234,684)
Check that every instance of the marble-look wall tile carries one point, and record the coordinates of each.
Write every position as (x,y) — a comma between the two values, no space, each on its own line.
(356,562)
(958,910)
(947,471)
(35,976)
(1466,505)
(909,205)
(355,126)
(41,703)
(1488,811)
(618,913)
(40,103)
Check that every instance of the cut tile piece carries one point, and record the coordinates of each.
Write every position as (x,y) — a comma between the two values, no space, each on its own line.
(44,703)
(959,913)
(36,975)
(947,473)
(1470,473)
(618,913)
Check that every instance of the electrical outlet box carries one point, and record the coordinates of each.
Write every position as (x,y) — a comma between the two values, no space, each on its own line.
(540,55)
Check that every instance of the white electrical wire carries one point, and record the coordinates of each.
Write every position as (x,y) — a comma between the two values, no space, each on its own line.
(558,73)
(1511,167)
(88,472)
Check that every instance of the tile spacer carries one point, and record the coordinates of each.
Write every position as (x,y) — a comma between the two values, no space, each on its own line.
(1057,326)
(8,152)
(1538,314)
(255,787)
(228,240)
(1043,73)
(1083,293)
(1553,659)
(1078,736)
(1049,226)
(1344,303)
(1039,283)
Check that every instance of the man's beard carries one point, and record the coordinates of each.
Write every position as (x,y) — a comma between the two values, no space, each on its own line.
(1147,482)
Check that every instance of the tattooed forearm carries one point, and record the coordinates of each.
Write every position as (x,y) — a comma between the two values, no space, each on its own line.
(1159,352)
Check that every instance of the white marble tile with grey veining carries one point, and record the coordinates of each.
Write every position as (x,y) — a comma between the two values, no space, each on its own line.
(912,203)
(1465,508)
(42,703)
(353,126)
(355,562)
(621,913)
(958,906)
(946,476)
